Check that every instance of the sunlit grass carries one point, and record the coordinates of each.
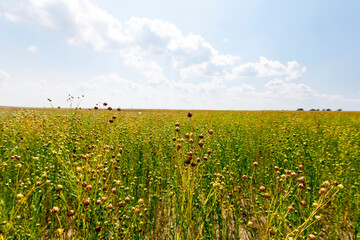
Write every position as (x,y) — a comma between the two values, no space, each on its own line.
(108,174)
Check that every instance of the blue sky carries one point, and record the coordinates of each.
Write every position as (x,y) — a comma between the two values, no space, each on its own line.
(181,54)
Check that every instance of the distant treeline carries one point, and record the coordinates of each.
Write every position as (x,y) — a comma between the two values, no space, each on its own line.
(313,109)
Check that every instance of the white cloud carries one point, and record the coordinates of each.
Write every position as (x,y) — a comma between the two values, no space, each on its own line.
(11,17)
(290,89)
(32,48)
(83,23)
(4,76)
(242,89)
(269,68)
(150,69)
(126,93)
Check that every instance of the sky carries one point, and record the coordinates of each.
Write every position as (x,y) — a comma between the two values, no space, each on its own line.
(161,54)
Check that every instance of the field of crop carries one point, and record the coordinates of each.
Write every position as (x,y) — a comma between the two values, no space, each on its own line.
(100,174)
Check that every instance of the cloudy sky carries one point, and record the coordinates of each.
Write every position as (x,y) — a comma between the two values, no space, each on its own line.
(203,54)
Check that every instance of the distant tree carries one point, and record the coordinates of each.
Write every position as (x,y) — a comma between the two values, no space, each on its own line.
(328,109)
(339,110)
(300,109)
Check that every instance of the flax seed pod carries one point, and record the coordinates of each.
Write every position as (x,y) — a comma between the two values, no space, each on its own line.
(267,196)
(86,202)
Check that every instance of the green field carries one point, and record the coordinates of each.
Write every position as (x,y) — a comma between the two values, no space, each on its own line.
(74,174)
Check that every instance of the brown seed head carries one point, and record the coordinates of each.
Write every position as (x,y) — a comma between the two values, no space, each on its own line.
(312,237)
(70,213)
(267,195)
(326,184)
(262,189)
(97,228)
(189,114)
(255,164)
(301,180)
(86,202)
(276,168)
(127,199)
(55,210)
(322,191)
(303,203)
(121,204)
